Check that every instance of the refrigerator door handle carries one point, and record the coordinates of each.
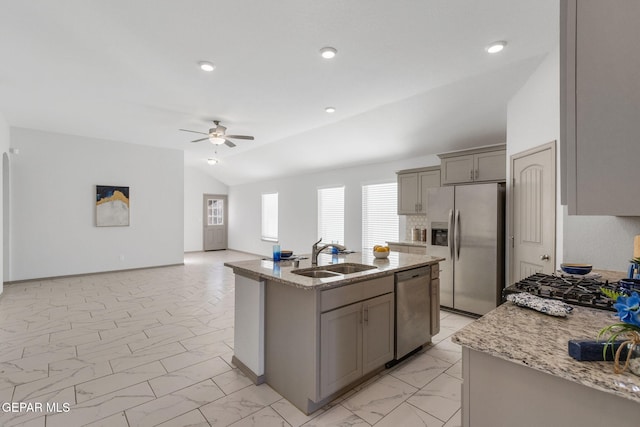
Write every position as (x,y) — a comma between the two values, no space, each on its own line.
(450,234)
(457,234)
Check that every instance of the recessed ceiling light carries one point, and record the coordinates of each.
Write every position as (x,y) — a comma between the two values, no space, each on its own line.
(212,161)
(328,52)
(206,66)
(496,47)
(330,109)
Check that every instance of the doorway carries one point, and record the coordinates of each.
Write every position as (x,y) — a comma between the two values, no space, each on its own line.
(533,212)
(214,222)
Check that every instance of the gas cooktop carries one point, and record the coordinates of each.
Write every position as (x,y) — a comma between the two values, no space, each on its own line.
(569,289)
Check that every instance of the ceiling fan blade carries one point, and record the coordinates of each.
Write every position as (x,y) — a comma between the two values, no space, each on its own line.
(229,143)
(202,139)
(194,131)
(240,137)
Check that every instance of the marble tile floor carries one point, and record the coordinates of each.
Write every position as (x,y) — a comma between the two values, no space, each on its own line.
(153,347)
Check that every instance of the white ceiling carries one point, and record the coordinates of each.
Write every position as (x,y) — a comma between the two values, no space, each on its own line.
(411,77)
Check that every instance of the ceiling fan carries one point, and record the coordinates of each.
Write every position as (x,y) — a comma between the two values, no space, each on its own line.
(218,136)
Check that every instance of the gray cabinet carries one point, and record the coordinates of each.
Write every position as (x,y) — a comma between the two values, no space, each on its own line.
(318,342)
(412,189)
(483,164)
(600,106)
(354,340)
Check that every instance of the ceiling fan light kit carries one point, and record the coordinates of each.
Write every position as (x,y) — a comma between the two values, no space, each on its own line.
(218,135)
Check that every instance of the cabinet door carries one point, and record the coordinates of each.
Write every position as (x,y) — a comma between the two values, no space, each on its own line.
(427,180)
(377,336)
(607,99)
(407,193)
(490,166)
(435,305)
(457,169)
(340,348)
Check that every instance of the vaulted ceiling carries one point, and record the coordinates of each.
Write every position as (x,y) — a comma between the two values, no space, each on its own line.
(411,77)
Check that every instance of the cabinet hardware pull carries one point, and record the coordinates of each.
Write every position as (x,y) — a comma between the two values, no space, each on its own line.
(477,173)
(366,314)
(471,174)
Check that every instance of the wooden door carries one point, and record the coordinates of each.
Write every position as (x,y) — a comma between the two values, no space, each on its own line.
(340,348)
(214,222)
(533,207)
(377,333)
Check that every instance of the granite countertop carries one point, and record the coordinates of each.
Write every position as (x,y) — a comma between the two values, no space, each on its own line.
(409,243)
(281,271)
(539,341)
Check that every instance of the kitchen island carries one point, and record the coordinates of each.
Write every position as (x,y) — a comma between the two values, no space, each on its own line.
(517,372)
(312,338)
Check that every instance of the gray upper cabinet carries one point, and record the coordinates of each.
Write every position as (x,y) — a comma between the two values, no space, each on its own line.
(412,189)
(482,164)
(600,106)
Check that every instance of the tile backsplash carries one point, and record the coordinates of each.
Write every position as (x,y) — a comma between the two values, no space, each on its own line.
(413,221)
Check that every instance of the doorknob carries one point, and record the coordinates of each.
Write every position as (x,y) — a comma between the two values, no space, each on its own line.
(545,257)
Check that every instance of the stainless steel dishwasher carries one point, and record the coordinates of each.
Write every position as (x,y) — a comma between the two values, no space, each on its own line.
(413,307)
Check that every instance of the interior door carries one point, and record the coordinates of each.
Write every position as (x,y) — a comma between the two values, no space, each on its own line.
(214,222)
(533,200)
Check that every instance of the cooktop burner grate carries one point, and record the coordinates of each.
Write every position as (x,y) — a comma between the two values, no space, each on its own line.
(570,289)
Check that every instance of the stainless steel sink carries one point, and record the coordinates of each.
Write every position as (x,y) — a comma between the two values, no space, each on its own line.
(312,272)
(333,270)
(348,268)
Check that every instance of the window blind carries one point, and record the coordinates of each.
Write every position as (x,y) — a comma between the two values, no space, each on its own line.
(379,214)
(331,214)
(270,217)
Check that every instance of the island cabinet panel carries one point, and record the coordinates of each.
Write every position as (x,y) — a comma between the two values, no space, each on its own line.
(355,340)
(340,348)
(600,106)
(320,342)
(377,336)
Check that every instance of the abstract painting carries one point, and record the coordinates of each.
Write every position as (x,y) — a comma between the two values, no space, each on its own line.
(112,206)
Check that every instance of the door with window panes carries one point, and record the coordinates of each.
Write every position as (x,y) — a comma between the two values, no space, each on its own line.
(215,222)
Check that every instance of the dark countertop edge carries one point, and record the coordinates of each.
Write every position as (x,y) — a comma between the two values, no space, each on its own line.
(346,280)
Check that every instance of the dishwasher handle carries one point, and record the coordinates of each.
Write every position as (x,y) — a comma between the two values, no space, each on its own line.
(403,276)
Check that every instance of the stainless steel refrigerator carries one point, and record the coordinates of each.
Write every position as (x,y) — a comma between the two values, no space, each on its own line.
(466,227)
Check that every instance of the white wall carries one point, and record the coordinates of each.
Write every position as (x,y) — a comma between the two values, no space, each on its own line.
(53,205)
(297,200)
(197,183)
(533,119)
(4,150)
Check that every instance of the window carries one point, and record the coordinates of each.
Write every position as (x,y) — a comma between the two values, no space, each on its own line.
(270,217)
(215,212)
(379,214)
(331,214)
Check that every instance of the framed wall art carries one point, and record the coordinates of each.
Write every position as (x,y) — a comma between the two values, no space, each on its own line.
(112,206)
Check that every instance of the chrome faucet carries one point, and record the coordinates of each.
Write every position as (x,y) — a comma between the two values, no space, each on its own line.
(315,250)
